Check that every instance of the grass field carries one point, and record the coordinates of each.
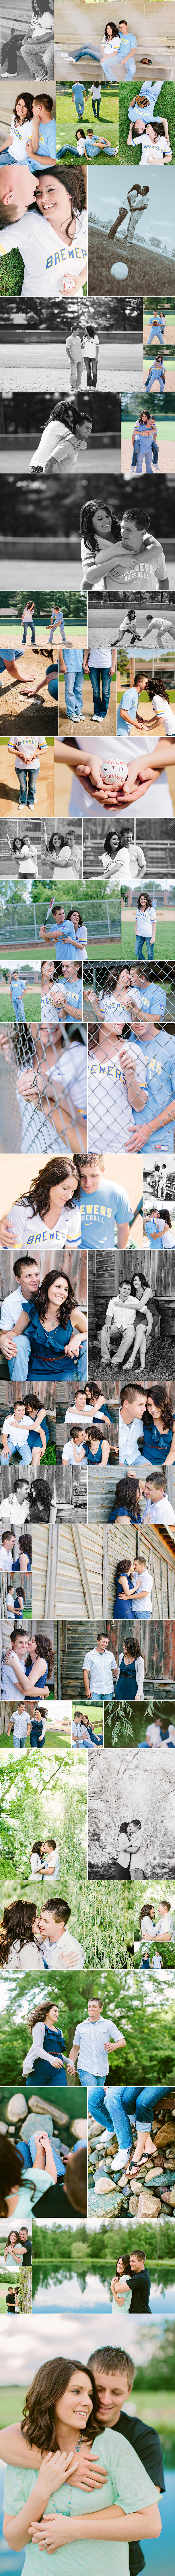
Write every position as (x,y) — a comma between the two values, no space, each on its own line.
(165,107)
(67,119)
(32,1004)
(164,943)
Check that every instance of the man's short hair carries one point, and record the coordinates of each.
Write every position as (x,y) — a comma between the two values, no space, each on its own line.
(104,2359)
(25,1262)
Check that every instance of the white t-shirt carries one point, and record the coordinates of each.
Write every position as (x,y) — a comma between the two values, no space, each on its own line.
(145,924)
(20,135)
(6,1562)
(100,1669)
(18,1430)
(102,661)
(155,151)
(51,266)
(161,708)
(129,1434)
(161,1512)
(69,1452)
(53,439)
(36,1229)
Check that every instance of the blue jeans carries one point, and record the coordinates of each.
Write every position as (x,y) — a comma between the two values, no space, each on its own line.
(96,106)
(139,946)
(81,1365)
(23,1450)
(33,774)
(18,1008)
(53,685)
(73,693)
(156,333)
(18,1365)
(28,621)
(100,703)
(111,2113)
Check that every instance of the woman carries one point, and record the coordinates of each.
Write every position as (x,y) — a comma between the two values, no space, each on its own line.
(30,1669)
(158,1426)
(134,1587)
(42,1863)
(18,1938)
(155,143)
(18,1433)
(68,996)
(64,854)
(60,2411)
(145,928)
(99,535)
(49,1211)
(128,1497)
(115,1089)
(123,859)
(61,263)
(50,1339)
(45,2058)
(58,446)
(130,1676)
(13,2198)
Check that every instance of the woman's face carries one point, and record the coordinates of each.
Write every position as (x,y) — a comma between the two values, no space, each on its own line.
(152,1407)
(21,110)
(55,203)
(102,522)
(47,973)
(57,1292)
(52,2017)
(76,2404)
(66,1188)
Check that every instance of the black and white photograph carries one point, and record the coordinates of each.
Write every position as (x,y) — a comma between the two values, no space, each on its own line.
(131,1811)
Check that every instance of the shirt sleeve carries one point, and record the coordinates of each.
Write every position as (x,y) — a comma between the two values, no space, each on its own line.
(172,1068)
(18,2485)
(86,1663)
(131,2486)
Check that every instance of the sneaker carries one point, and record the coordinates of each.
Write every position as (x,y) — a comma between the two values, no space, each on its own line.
(120,2159)
(97,719)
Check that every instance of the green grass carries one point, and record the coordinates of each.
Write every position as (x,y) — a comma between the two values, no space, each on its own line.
(164,943)
(32,1003)
(11,273)
(165,107)
(68,119)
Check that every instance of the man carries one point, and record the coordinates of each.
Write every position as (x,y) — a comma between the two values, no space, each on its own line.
(17,988)
(114,2375)
(89,2052)
(105,1213)
(101,1665)
(130,1426)
(140,561)
(156,376)
(156,327)
(57,1944)
(6,1553)
(14,1335)
(130,2272)
(121,1333)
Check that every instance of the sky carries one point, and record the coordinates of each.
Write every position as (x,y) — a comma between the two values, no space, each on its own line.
(117,185)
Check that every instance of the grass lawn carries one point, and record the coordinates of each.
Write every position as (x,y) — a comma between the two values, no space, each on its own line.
(165,107)
(164,943)
(32,1000)
(11,273)
(67,119)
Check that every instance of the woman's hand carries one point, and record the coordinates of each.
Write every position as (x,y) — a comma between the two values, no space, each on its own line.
(7,1236)
(74,1346)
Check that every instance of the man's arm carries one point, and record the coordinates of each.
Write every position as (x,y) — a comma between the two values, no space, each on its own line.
(86,1683)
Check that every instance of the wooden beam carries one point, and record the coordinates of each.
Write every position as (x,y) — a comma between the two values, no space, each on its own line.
(105,1571)
(52,1562)
(82,1571)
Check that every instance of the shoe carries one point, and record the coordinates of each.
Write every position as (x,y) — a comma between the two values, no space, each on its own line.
(97,719)
(120,2159)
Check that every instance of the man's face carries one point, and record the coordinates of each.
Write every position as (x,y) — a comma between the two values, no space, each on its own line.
(131,536)
(112,2394)
(29,1278)
(137,2262)
(94,2011)
(101,1643)
(88,1178)
(48,1926)
(17,192)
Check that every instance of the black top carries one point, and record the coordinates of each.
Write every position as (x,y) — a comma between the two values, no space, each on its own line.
(147,2443)
(141,2285)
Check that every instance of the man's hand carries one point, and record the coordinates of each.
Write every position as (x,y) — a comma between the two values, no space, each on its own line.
(8,1345)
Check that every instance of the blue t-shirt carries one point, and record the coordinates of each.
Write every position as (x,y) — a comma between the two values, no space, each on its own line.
(79,97)
(154,999)
(67,933)
(153,1235)
(130,700)
(47,139)
(152,90)
(101,1210)
(159,1069)
(17,989)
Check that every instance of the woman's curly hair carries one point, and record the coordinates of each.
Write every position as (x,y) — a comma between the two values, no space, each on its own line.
(39,2411)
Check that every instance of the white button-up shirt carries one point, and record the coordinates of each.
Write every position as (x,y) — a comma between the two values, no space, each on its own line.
(100,1669)
(91,2036)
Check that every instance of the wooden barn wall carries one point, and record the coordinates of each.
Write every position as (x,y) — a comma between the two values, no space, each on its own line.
(45,1392)
(158,1650)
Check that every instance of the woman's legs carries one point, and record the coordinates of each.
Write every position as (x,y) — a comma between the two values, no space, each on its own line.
(139,944)
(22,775)
(146,2100)
(33,775)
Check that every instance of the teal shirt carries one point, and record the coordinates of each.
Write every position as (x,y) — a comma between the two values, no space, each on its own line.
(126,2483)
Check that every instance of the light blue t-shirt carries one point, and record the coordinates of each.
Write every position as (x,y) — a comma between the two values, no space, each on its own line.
(159,1073)
(134,110)
(156,373)
(67,933)
(102,1210)
(73,654)
(153,999)
(130,700)
(79,97)
(47,139)
(17,989)
(127,45)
